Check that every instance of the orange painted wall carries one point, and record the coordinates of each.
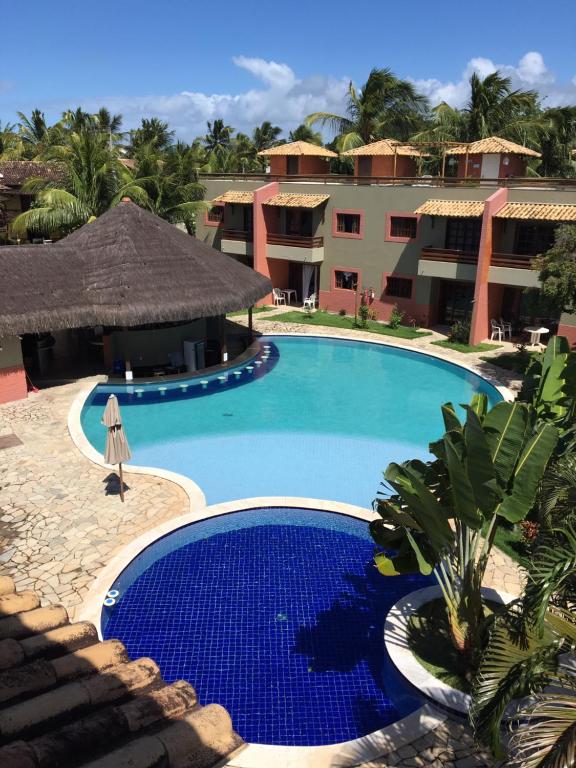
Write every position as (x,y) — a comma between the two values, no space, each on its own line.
(384,166)
(279,272)
(260,232)
(13,384)
(307,166)
(515,167)
(569,331)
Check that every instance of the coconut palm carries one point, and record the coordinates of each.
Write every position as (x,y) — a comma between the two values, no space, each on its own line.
(265,136)
(524,659)
(153,132)
(385,106)
(95,181)
(558,137)
(36,135)
(218,138)
(305,133)
(494,109)
(11,147)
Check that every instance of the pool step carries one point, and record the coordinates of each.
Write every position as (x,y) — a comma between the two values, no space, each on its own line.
(70,700)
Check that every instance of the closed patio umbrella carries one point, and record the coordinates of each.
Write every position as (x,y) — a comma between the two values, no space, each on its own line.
(117,449)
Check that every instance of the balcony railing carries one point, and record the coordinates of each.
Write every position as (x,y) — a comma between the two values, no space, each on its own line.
(540,182)
(296,241)
(237,234)
(445,254)
(513,260)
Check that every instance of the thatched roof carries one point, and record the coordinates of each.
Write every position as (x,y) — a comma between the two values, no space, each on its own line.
(297,148)
(127,268)
(493,145)
(13,173)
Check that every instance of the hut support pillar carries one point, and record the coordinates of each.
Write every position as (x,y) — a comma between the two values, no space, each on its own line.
(223,343)
(250,325)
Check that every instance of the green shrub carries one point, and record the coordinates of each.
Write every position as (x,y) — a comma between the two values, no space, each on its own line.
(460,332)
(396,317)
(364,314)
(342,312)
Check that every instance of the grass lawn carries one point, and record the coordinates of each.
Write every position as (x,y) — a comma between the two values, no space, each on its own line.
(337,321)
(254,311)
(517,362)
(466,348)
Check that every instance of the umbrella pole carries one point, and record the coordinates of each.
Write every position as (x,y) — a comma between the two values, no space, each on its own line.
(121,482)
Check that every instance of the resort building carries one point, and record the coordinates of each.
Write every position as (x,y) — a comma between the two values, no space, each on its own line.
(440,248)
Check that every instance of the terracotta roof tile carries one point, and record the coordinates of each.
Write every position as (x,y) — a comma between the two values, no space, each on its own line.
(456,208)
(298,148)
(289,200)
(538,211)
(385,147)
(232,196)
(67,698)
(493,145)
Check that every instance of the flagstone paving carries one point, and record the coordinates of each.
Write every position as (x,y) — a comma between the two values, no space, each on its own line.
(61,519)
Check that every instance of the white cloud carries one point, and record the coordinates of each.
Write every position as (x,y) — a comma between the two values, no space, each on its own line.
(530,72)
(283,99)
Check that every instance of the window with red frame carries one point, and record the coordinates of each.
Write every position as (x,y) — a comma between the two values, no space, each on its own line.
(348,223)
(346,280)
(216,214)
(403,226)
(400,287)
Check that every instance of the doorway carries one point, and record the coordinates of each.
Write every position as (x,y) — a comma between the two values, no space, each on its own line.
(456,300)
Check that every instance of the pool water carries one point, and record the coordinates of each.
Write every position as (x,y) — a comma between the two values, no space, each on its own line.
(317,418)
(278,615)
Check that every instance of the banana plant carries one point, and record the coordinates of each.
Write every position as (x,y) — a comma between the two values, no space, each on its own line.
(523,661)
(440,517)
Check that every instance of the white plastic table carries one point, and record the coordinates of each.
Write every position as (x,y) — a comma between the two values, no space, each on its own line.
(288,293)
(535,334)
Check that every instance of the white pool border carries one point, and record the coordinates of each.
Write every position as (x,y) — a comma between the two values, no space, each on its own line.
(342,755)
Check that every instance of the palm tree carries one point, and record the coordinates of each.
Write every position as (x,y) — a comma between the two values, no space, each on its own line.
(154,132)
(558,136)
(384,107)
(305,133)
(95,181)
(37,136)
(218,137)
(524,656)
(265,136)
(495,109)
(11,147)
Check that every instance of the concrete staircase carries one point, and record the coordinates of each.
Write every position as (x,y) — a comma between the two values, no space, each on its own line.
(68,699)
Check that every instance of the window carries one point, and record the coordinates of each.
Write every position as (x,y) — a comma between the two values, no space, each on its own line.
(215,214)
(463,235)
(347,280)
(348,223)
(400,287)
(532,239)
(403,226)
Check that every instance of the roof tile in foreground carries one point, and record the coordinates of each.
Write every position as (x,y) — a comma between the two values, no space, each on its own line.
(493,145)
(289,200)
(68,699)
(537,211)
(458,208)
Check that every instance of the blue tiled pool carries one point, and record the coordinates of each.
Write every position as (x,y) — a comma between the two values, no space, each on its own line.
(278,615)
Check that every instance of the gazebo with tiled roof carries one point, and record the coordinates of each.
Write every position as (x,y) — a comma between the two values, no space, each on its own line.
(387,157)
(298,158)
(491,158)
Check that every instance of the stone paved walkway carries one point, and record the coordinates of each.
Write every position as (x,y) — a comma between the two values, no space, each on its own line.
(61,520)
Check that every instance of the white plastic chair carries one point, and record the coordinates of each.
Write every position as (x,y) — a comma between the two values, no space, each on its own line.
(279,297)
(310,302)
(506,328)
(496,330)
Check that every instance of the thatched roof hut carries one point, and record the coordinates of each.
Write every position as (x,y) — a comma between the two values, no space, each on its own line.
(127,268)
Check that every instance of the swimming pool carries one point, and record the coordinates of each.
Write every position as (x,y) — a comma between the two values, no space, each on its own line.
(310,417)
(278,615)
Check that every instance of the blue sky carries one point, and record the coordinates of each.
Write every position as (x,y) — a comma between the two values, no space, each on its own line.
(188,62)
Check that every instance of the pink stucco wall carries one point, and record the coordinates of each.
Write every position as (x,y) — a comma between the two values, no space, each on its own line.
(260,232)
(13,384)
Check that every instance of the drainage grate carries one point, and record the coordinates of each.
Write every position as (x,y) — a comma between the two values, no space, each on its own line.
(9,441)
